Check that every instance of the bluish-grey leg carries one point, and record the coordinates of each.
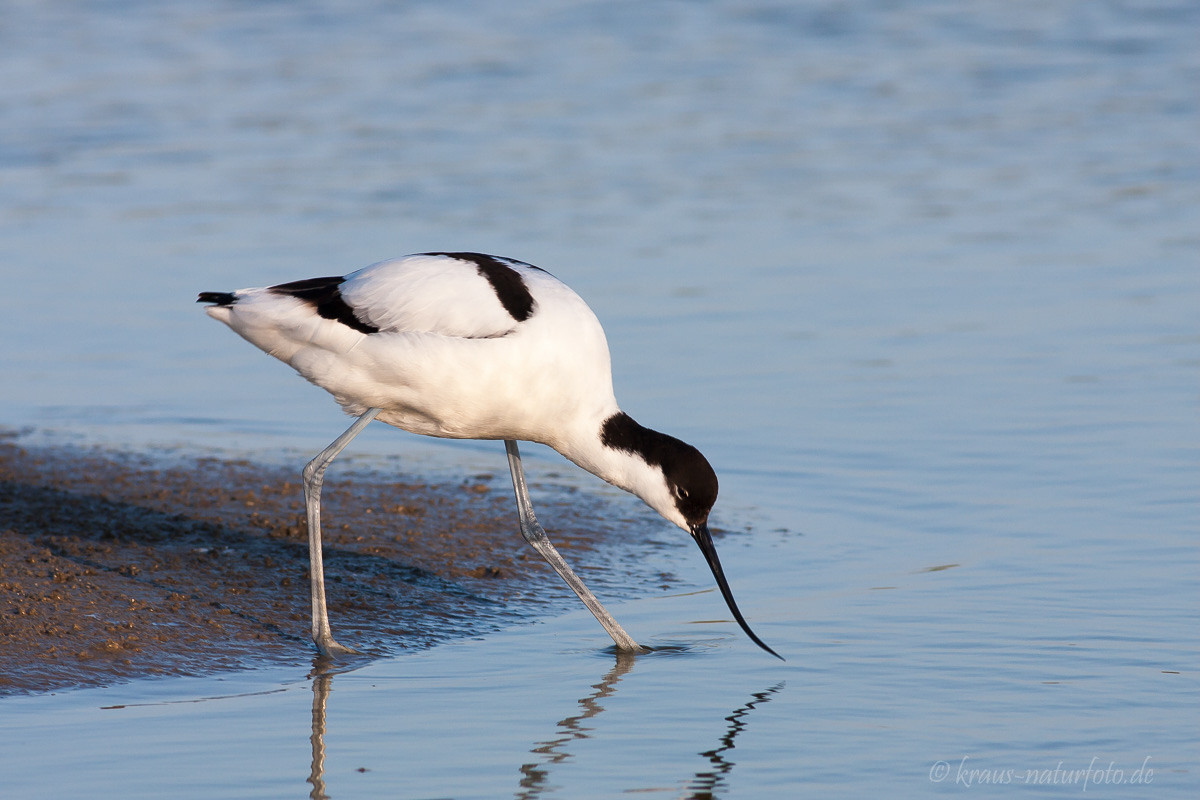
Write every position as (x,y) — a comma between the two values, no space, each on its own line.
(533,533)
(314,476)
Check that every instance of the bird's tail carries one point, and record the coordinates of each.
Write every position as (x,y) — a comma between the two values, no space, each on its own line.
(217,298)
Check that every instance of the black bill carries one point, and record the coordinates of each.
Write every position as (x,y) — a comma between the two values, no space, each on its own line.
(704,539)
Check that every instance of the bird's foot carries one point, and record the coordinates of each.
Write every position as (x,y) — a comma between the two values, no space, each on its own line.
(329,648)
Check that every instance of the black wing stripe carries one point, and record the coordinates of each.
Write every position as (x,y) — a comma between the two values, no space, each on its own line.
(506,282)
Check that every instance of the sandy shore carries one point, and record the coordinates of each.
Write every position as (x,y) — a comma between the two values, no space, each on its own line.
(113,566)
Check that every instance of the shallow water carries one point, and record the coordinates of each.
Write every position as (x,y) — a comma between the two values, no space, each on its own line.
(920,279)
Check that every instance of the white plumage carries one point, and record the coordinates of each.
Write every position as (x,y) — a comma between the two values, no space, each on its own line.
(466,345)
(448,359)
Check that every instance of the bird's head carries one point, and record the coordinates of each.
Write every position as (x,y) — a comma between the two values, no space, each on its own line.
(685,494)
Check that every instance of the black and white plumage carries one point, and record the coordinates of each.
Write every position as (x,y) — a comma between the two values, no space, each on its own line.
(472,346)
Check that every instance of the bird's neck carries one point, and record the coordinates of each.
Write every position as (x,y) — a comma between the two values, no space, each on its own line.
(628,456)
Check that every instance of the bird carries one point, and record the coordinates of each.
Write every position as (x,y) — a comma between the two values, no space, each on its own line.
(465,345)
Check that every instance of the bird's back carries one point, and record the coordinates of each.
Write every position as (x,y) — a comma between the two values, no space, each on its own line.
(447,344)
(443,294)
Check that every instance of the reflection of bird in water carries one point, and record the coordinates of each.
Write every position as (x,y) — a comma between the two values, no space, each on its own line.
(321,686)
(535,776)
(535,780)
(706,783)
(470,346)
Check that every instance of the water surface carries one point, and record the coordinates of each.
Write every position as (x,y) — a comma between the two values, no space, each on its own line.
(920,278)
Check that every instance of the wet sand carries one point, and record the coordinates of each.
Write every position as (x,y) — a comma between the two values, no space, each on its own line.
(116,566)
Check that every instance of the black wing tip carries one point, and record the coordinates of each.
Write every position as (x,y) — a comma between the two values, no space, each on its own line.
(217,298)
(325,296)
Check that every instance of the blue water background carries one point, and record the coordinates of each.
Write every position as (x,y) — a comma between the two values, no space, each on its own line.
(922,279)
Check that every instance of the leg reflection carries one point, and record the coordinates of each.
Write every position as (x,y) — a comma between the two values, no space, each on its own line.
(535,776)
(322,678)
